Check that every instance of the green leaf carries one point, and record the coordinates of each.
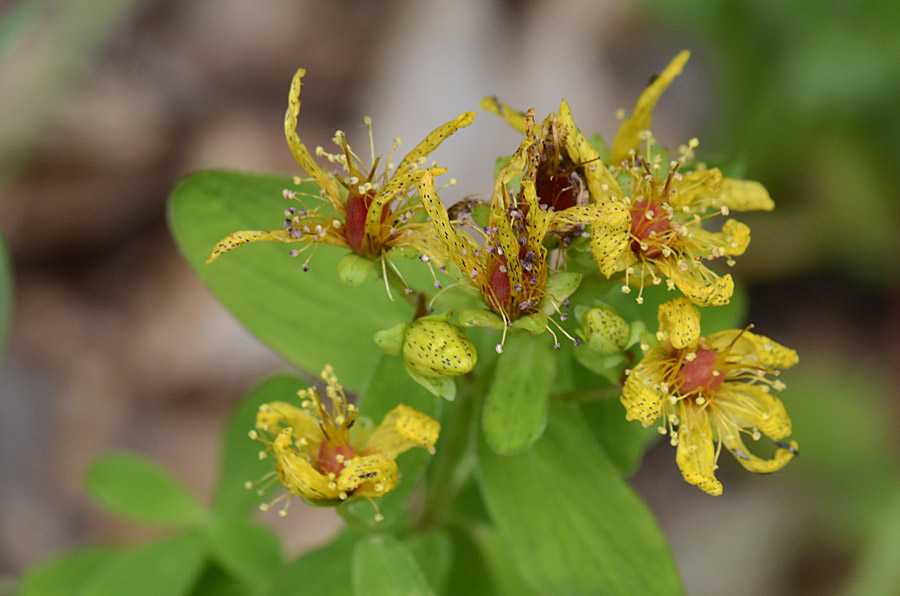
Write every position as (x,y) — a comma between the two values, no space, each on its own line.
(137,488)
(215,582)
(470,573)
(169,567)
(388,387)
(67,573)
(247,551)
(502,566)
(240,454)
(433,552)
(323,571)
(570,522)
(384,567)
(624,441)
(310,318)
(515,412)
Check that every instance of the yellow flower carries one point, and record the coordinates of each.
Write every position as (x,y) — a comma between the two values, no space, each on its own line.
(316,455)
(707,391)
(510,266)
(366,212)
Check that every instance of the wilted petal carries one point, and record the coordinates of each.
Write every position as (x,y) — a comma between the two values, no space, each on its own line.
(697,282)
(744,195)
(296,472)
(368,476)
(643,393)
(402,429)
(782,456)
(696,455)
(610,237)
(680,321)
(772,354)
(749,406)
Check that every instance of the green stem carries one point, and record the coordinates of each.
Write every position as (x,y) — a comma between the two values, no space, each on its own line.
(587,395)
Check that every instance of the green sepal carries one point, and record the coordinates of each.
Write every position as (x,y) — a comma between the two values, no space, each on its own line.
(531,323)
(560,286)
(480,317)
(404,252)
(438,386)
(391,340)
(353,269)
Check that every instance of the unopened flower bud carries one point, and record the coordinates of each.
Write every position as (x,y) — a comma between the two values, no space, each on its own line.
(438,349)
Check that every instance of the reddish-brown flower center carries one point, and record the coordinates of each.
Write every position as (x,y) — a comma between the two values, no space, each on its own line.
(357,211)
(648,222)
(557,189)
(331,457)
(700,374)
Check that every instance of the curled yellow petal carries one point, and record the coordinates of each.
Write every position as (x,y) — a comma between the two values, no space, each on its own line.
(680,321)
(772,354)
(641,118)
(750,406)
(460,250)
(696,454)
(402,429)
(643,392)
(582,153)
(783,454)
(500,108)
(296,472)
(698,282)
(610,237)
(276,416)
(237,239)
(368,476)
(744,195)
(301,153)
(431,142)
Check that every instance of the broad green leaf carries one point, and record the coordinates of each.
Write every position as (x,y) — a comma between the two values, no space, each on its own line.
(169,567)
(569,521)
(67,573)
(502,566)
(249,552)
(321,572)
(135,487)
(470,573)
(433,552)
(879,568)
(624,441)
(6,294)
(240,454)
(310,318)
(384,567)
(389,386)
(215,582)
(515,412)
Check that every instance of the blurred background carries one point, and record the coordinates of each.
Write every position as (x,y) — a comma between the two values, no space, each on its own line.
(114,344)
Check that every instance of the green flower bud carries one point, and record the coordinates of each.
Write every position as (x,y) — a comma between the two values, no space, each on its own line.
(480,317)
(605,330)
(438,349)
(353,269)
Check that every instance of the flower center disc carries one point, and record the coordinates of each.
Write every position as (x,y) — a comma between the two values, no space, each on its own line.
(332,457)
(647,226)
(357,211)
(700,374)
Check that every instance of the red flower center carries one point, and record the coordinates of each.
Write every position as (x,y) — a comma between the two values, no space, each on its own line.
(357,211)
(648,222)
(557,190)
(329,460)
(700,374)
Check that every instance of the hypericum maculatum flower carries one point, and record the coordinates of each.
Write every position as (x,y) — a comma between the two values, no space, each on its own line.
(366,212)
(320,454)
(707,392)
(510,266)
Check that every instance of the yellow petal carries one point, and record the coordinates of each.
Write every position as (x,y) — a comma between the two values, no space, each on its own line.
(696,455)
(237,239)
(696,190)
(731,241)
(744,195)
(579,214)
(757,464)
(680,321)
(643,392)
(301,153)
(512,117)
(402,429)
(641,118)
(461,251)
(276,416)
(433,140)
(610,237)
(749,406)
(582,153)
(698,282)
(296,472)
(368,476)
(772,354)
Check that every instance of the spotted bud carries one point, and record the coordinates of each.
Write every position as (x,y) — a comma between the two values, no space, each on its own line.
(605,330)
(438,349)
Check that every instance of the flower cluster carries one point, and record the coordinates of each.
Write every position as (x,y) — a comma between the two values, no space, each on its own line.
(638,216)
